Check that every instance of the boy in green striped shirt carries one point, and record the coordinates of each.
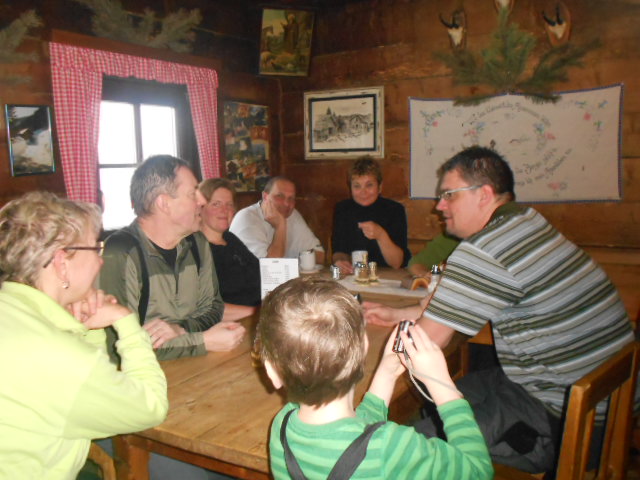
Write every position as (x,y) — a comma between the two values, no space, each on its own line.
(313,342)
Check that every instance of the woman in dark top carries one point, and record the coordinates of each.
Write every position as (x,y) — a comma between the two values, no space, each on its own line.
(369,222)
(237,268)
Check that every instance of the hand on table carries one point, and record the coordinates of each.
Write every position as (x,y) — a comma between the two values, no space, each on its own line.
(161,331)
(223,336)
(378,314)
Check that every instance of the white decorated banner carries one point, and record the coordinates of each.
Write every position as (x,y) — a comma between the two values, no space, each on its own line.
(567,151)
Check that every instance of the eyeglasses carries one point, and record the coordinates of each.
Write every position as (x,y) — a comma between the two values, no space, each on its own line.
(99,249)
(448,194)
(228,206)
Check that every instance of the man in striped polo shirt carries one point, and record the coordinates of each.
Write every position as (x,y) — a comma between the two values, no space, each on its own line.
(554,313)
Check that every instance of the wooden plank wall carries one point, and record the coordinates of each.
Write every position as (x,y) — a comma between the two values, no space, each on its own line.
(391,43)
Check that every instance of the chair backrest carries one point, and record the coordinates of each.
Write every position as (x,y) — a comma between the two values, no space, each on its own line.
(614,379)
(103,460)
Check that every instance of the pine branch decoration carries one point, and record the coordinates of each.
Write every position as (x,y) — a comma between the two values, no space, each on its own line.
(175,31)
(502,65)
(13,35)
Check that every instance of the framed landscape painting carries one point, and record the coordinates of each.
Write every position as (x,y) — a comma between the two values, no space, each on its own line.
(30,139)
(246,145)
(344,123)
(285,42)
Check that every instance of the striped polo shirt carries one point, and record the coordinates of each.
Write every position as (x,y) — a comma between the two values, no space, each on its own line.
(554,312)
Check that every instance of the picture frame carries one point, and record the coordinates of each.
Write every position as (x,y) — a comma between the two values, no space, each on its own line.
(345,123)
(30,139)
(285,42)
(247,137)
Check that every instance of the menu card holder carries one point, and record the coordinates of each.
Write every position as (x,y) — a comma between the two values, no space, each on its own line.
(275,271)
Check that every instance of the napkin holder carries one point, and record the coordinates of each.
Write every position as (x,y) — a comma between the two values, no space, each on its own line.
(413,282)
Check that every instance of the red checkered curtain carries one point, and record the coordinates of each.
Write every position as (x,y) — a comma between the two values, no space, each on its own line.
(77,91)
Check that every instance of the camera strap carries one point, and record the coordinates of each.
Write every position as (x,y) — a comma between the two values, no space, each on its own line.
(346,465)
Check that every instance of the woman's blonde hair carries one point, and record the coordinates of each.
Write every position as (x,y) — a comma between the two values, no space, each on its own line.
(36,225)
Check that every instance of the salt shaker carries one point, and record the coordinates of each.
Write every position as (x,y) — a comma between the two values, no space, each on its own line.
(361,272)
(373,272)
(436,273)
(335,272)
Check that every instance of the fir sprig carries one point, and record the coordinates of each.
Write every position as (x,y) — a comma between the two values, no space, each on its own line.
(175,31)
(13,35)
(503,64)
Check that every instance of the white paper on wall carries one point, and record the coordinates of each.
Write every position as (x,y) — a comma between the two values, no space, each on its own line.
(567,151)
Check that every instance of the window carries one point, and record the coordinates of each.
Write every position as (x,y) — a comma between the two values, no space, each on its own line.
(138,119)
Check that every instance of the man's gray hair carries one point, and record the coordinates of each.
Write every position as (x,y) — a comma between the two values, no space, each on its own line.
(155,176)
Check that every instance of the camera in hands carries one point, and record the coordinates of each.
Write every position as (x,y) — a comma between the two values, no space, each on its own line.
(398,344)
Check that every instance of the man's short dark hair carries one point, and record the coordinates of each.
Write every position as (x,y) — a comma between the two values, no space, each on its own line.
(155,176)
(312,331)
(482,166)
(272,181)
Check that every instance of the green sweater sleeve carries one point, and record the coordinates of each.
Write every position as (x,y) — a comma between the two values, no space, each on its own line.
(409,454)
(210,306)
(436,251)
(110,401)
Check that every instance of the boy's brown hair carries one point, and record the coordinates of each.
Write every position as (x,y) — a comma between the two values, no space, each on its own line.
(312,332)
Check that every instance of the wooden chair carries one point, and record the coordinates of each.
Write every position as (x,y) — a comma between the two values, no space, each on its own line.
(614,379)
(103,460)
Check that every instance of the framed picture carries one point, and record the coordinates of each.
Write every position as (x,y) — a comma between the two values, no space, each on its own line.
(285,42)
(30,139)
(344,123)
(246,145)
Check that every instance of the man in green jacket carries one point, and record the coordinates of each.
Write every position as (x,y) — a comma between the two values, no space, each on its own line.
(160,268)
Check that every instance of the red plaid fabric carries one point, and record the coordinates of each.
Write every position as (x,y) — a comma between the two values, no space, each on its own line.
(77,90)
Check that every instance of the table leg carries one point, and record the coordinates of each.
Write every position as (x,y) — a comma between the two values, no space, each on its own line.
(132,462)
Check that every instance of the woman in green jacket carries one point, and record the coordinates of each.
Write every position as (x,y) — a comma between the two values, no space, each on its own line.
(58,388)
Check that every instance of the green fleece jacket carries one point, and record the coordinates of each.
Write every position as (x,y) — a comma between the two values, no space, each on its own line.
(185,295)
(58,389)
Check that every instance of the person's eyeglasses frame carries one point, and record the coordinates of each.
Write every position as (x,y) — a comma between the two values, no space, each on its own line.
(448,194)
(99,249)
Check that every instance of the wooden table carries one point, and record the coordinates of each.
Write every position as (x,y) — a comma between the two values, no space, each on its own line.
(221,408)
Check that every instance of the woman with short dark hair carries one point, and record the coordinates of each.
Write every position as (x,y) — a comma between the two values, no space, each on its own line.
(367,221)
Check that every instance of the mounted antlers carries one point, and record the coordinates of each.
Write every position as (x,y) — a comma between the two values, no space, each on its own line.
(456,28)
(558,28)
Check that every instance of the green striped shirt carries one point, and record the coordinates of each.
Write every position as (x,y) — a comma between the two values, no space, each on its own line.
(554,312)
(394,451)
